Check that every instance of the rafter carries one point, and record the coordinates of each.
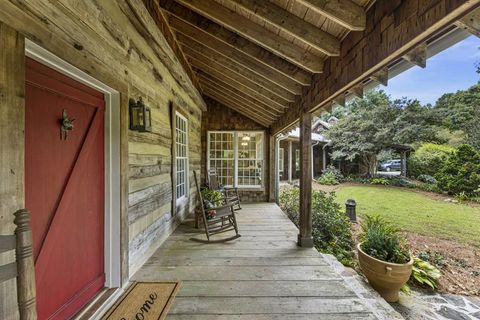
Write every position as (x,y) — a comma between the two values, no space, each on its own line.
(218,77)
(344,12)
(238,106)
(256,33)
(237,70)
(204,25)
(187,33)
(293,25)
(239,79)
(238,96)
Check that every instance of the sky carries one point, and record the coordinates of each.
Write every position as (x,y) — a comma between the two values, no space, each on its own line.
(451,70)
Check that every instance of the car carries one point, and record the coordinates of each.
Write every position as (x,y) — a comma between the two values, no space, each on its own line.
(390,165)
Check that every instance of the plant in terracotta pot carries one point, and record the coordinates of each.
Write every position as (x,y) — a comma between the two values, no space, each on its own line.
(384,257)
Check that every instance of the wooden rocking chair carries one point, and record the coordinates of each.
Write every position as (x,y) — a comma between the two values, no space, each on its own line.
(23,268)
(223,219)
(231,194)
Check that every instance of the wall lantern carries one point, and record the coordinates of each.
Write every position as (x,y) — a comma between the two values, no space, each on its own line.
(140,116)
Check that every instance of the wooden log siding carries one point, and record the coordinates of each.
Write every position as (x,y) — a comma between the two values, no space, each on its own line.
(393,29)
(119,44)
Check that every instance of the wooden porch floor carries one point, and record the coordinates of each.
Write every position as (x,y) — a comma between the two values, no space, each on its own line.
(262,275)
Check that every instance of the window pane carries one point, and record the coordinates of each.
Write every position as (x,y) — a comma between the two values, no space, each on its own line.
(222,157)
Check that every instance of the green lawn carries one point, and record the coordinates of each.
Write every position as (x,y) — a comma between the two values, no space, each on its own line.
(415,212)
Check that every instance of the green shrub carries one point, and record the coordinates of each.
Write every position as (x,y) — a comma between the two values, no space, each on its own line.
(428,187)
(328,178)
(435,258)
(381,181)
(383,241)
(401,182)
(356,179)
(427,179)
(212,198)
(428,159)
(331,227)
(338,174)
(461,172)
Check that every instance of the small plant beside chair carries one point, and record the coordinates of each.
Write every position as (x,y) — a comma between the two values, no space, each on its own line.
(231,194)
(218,215)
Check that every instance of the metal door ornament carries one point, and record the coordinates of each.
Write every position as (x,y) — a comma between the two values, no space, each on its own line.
(66,125)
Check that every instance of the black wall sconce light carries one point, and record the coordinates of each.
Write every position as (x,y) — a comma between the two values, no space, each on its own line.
(140,116)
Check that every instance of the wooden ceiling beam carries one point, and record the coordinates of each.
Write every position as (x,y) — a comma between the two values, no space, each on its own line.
(238,77)
(206,26)
(381,76)
(256,33)
(418,56)
(252,105)
(236,82)
(235,94)
(239,95)
(471,22)
(239,109)
(216,77)
(186,33)
(293,25)
(237,106)
(344,12)
(227,65)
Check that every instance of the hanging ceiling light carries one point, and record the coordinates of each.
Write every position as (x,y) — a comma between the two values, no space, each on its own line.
(246,138)
(244,144)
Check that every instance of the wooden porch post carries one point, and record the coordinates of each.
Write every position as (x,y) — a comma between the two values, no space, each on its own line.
(273,168)
(305,236)
(403,164)
(289,161)
(12,125)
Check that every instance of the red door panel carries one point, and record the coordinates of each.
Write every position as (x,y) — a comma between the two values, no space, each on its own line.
(64,190)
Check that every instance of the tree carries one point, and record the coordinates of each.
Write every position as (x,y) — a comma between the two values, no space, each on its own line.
(456,110)
(375,123)
(461,172)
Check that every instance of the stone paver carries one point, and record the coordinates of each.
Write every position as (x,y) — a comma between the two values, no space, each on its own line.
(435,306)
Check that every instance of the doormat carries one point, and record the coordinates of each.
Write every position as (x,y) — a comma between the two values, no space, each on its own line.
(144,301)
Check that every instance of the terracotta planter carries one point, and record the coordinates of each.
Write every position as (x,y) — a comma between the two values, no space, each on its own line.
(386,278)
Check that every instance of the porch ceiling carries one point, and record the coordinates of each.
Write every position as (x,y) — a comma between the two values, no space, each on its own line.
(257,56)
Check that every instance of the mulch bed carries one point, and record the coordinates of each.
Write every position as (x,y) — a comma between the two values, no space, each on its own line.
(460,265)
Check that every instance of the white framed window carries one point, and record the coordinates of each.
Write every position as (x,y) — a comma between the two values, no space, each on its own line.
(280,160)
(237,157)
(181,155)
(297,160)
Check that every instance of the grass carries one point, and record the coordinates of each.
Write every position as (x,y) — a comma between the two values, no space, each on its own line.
(417,213)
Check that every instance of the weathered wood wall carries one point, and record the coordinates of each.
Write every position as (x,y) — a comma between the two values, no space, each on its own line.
(220,117)
(12,116)
(394,28)
(118,43)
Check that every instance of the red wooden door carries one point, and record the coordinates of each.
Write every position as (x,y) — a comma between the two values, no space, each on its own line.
(64,190)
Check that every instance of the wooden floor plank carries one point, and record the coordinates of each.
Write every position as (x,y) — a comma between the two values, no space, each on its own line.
(265,289)
(258,261)
(312,316)
(265,305)
(214,273)
(261,276)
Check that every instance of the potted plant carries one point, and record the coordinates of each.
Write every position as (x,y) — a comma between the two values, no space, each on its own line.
(384,257)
